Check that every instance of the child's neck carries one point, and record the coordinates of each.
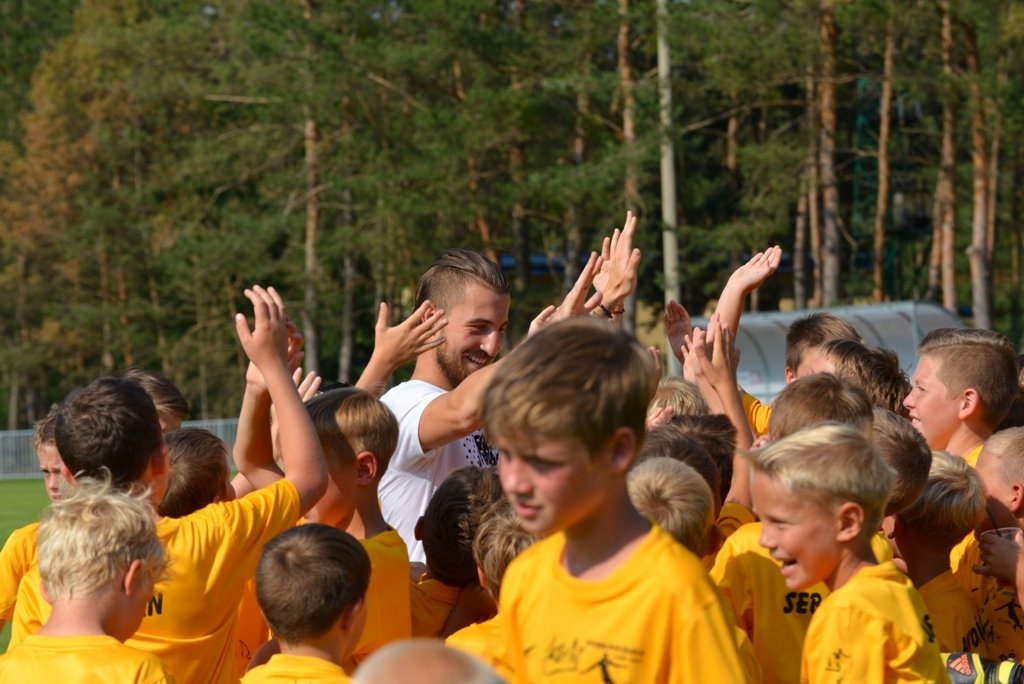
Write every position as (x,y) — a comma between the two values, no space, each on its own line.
(966,438)
(367,521)
(853,558)
(924,565)
(327,649)
(84,616)
(599,545)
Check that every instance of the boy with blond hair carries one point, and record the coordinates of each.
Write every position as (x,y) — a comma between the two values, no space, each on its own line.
(675,496)
(963,385)
(819,397)
(820,494)
(311,585)
(682,396)
(950,507)
(99,558)
(567,411)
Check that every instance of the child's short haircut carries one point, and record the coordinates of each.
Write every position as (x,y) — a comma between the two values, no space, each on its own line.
(198,471)
(676,497)
(451,521)
(874,369)
(1015,413)
(1007,448)
(499,540)
(813,331)
(166,396)
(424,661)
(673,441)
(717,436)
(349,421)
(109,425)
(307,577)
(980,359)
(682,396)
(579,379)
(951,504)
(817,398)
(829,464)
(452,270)
(906,451)
(92,535)
(44,433)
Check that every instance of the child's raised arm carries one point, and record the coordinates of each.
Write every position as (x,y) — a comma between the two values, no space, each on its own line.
(744,280)
(266,345)
(394,346)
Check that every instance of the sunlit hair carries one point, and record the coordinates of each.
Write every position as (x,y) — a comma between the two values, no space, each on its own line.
(980,359)
(308,577)
(166,396)
(676,497)
(672,441)
(499,539)
(682,396)
(1007,449)
(874,369)
(45,429)
(828,464)
(349,421)
(717,436)
(446,279)
(816,398)
(423,661)
(197,463)
(951,504)
(581,379)
(906,452)
(92,535)
(814,331)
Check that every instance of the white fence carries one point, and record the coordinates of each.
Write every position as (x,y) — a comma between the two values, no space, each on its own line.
(18,458)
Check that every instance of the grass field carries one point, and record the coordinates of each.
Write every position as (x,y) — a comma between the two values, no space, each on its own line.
(21,501)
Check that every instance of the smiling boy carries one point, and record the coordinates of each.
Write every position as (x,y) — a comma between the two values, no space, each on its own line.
(820,494)
(591,601)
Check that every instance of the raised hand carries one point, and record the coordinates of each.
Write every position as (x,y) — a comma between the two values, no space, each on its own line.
(576,302)
(751,275)
(402,343)
(267,343)
(617,277)
(677,327)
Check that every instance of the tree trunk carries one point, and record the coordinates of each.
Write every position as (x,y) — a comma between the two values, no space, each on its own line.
(483,227)
(573,213)
(813,207)
(882,201)
(310,271)
(669,214)
(826,156)
(977,253)
(631,182)
(947,169)
(800,248)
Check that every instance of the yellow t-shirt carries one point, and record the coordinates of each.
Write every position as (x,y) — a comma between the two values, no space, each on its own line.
(483,640)
(758,414)
(295,669)
(252,630)
(99,659)
(999,634)
(431,603)
(656,618)
(16,560)
(953,613)
(972,456)
(732,517)
(190,622)
(775,618)
(388,610)
(874,628)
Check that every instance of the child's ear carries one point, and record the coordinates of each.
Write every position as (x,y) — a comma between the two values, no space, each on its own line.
(970,403)
(1016,503)
(159,461)
(350,618)
(790,375)
(623,449)
(480,576)
(67,475)
(849,521)
(132,580)
(366,468)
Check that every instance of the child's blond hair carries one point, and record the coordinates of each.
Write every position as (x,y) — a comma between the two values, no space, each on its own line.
(499,539)
(813,331)
(682,396)
(951,505)
(875,370)
(1006,448)
(980,359)
(676,497)
(579,379)
(44,432)
(91,536)
(349,421)
(829,464)
(906,451)
(817,398)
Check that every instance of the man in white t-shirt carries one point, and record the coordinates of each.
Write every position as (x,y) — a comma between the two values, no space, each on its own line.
(438,409)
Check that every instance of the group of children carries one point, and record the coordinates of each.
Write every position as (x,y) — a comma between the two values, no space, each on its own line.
(862,528)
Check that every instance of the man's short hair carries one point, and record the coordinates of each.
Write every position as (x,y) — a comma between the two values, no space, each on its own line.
(45,429)
(816,398)
(951,504)
(349,421)
(109,425)
(829,464)
(980,359)
(92,535)
(446,279)
(874,369)
(717,436)
(197,462)
(673,441)
(906,451)
(452,520)
(579,379)
(307,578)
(813,331)
(166,396)
(499,539)
(682,396)
(676,497)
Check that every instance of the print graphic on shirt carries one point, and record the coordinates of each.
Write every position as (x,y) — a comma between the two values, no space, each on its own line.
(835,661)
(563,657)
(983,632)
(1002,613)
(486,455)
(926,625)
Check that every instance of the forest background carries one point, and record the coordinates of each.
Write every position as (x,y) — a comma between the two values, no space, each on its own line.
(158,156)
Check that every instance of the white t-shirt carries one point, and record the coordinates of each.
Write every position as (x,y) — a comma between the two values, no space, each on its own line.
(413,475)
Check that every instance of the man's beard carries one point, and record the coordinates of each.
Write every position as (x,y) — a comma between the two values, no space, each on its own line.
(452,365)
